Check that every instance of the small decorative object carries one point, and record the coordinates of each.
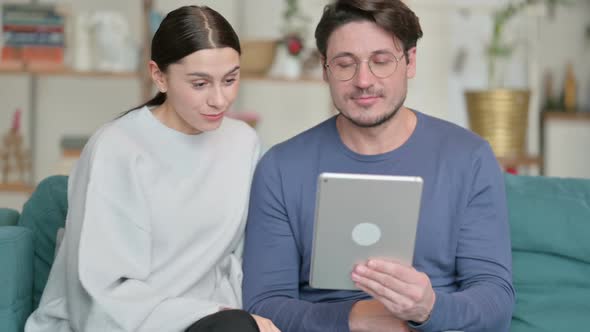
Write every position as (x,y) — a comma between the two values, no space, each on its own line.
(550,102)
(293,64)
(71,149)
(569,90)
(14,160)
(111,43)
(294,44)
(80,47)
(288,62)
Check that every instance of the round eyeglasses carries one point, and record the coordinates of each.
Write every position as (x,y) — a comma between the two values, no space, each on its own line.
(345,67)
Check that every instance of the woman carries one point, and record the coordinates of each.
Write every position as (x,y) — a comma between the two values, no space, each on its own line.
(158,200)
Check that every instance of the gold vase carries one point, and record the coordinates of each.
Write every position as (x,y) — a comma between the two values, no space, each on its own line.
(500,117)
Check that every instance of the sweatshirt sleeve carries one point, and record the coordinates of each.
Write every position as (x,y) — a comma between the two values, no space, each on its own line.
(485,298)
(239,250)
(272,260)
(114,252)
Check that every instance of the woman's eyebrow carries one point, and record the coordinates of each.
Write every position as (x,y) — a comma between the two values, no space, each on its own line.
(206,75)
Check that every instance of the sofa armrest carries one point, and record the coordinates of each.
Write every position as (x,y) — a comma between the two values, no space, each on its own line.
(16,279)
(8,217)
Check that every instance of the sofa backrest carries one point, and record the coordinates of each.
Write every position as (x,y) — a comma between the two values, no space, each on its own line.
(44,213)
(16,278)
(550,230)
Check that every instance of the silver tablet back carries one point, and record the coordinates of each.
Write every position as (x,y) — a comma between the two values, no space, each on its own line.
(358,217)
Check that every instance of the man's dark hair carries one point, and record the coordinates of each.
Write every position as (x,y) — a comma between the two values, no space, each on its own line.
(391,15)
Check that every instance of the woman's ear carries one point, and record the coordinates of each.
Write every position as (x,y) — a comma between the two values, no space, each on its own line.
(158,76)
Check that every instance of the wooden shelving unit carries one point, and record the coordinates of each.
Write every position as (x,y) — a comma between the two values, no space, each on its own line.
(569,116)
(34,72)
(520,161)
(16,187)
(67,72)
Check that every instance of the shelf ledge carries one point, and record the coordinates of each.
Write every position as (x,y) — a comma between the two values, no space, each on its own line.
(62,71)
(16,187)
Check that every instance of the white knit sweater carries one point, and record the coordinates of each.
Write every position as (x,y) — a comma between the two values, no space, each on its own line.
(154,228)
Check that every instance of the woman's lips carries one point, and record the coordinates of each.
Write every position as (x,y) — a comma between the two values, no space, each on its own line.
(213,117)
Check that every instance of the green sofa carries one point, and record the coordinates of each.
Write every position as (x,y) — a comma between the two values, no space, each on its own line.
(550,226)
(27,249)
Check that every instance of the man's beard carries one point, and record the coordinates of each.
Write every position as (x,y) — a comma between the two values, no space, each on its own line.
(379,121)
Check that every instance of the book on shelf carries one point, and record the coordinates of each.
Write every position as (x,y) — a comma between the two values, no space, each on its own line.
(33,33)
(34,55)
(20,38)
(32,14)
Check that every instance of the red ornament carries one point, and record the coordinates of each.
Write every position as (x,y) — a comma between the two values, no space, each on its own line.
(294,45)
(512,170)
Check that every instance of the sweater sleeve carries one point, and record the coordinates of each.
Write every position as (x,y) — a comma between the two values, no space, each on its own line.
(114,252)
(239,250)
(272,261)
(485,298)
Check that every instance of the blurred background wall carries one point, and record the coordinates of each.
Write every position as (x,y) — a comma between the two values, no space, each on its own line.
(58,105)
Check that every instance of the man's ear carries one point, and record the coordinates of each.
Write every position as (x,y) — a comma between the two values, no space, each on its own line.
(158,77)
(324,68)
(411,63)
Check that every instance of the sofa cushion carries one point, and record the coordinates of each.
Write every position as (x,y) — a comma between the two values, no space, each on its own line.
(44,213)
(550,229)
(16,278)
(8,217)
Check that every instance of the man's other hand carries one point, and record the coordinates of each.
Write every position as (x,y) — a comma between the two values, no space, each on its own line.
(404,291)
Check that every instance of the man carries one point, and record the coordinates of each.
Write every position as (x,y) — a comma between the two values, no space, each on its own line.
(461,274)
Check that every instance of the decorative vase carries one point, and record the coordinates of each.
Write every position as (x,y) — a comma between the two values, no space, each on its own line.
(286,65)
(292,67)
(500,116)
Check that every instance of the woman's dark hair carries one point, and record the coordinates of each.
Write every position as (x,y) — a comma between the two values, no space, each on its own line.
(184,31)
(391,15)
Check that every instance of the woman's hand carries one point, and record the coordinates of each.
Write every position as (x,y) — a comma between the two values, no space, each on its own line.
(265,325)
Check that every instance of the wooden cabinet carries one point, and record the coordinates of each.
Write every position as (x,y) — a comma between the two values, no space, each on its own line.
(565,143)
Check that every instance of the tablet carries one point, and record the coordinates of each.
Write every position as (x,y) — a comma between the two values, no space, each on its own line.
(361,216)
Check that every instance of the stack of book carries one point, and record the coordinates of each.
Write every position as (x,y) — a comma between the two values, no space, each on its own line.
(33,34)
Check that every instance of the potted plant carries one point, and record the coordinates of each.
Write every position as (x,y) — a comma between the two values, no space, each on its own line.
(499,114)
(288,62)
